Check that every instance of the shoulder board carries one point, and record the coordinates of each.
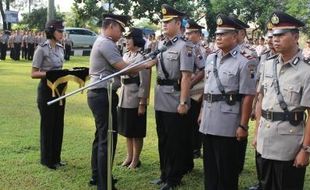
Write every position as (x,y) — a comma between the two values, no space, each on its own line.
(183,38)
(247,55)
(307,60)
(42,44)
(58,44)
(265,52)
(272,57)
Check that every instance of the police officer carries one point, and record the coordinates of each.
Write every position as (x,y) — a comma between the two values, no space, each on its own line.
(134,96)
(174,70)
(50,56)
(4,43)
(283,136)
(105,59)
(17,40)
(228,94)
(269,54)
(30,44)
(24,45)
(193,33)
(68,46)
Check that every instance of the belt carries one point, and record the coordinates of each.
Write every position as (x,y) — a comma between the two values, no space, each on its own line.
(169,82)
(220,97)
(293,117)
(132,80)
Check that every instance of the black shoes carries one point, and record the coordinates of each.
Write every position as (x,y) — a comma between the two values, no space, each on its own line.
(157,181)
(56,166)
(256,187)
(166,186)
(92,182)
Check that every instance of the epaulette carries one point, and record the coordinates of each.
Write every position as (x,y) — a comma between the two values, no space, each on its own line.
(272,57)
(42,44)
(183,38)
(247,55)
(266,51)
(307,60)
(58,44)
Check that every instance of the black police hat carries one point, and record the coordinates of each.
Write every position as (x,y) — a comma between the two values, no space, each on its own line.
(192,26)
(283,22)
(225,24)
(169,13)
(55,24)
(120,19)
(241,24)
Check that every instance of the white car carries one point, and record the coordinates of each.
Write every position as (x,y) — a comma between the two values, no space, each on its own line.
(81,37)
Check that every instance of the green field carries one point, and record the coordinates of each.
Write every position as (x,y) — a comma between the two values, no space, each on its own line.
(19,142)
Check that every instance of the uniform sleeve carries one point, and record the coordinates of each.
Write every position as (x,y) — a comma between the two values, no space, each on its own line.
(305,98)
(200,59)
(38,58)
(247,78)
(110,52)
(187,58)
(145,81)
(261,73)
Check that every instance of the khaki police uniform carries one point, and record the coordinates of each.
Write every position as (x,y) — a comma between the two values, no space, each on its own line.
(31,44)
(286,93)
(172,129)
(133,88)
(102,57)
(47,58)
(221,110)
(68,46)
(17,40)
(24,46)
(279,140)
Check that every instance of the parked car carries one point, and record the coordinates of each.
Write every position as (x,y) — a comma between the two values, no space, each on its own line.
(81,37)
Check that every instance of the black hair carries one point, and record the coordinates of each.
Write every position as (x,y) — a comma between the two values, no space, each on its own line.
(139,42)
(50,32)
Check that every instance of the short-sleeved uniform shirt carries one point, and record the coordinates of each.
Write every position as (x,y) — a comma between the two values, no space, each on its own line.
(47,58)
(236,73)
(102,57)
(178,57)
(130,93)
(279,140)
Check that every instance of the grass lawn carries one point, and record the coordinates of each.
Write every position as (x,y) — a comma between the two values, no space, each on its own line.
(19,141)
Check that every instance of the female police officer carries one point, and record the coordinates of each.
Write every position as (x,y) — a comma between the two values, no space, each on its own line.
(49,56)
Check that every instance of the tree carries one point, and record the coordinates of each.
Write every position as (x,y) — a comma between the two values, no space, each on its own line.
(37,19)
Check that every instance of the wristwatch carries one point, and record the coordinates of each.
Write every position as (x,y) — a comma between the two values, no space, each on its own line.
(306,148)
(183,103)
(245,128)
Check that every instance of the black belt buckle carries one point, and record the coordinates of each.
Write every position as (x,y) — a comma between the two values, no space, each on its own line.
(208,98)
(294,119)
(269,115)
(176,86)
(229,99)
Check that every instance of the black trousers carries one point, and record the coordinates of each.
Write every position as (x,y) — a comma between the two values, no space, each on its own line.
(67,52)
(98,102)
(30,51)
(173,135)
(17,47)
(258,164)
(281,175)
(242,145)
(220,161)
(52,125)
(194,114)
(3,50)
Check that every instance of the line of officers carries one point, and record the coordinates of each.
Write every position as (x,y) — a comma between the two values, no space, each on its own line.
(20,43)
(234,83)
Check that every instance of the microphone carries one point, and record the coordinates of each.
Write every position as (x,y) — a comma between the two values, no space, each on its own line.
(156,52)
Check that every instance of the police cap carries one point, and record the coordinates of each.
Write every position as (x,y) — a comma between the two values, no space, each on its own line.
(192,26)
(169,13)
(225,24)
(122,20)
(269,30)
(283,22)
(55,24)
(242,25)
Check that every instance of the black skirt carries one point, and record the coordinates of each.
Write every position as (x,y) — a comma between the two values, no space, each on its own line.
(130,124)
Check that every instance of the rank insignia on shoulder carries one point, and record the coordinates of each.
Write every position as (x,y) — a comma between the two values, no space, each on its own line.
(272,57)
(247,55)
(175,39)
(296,60)
(234,52)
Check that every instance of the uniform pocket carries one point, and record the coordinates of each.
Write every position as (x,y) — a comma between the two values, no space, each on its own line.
(291,130)
(225,108)
(292,93)
(230,78)
(167,89)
